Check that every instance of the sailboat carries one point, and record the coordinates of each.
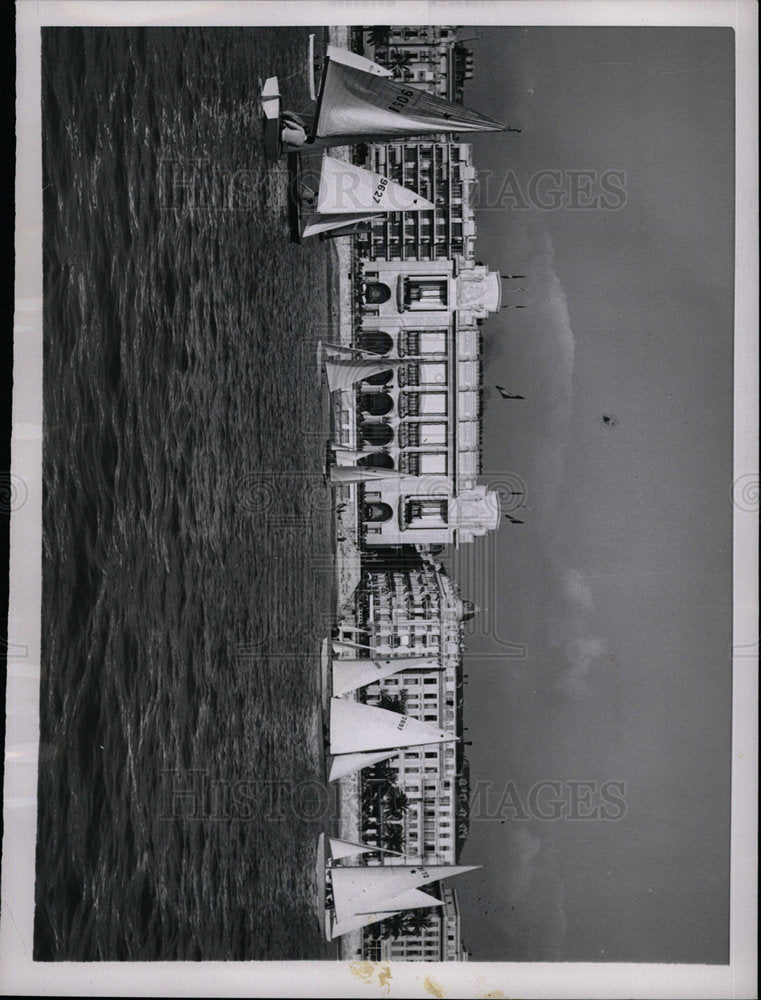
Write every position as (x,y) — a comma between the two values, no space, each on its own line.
(359,101)
(348,194)
(362,735)
(352,673)
(363,895)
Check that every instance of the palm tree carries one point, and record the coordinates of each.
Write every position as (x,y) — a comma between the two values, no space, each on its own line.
(392,837)
(393,702)
(416,921)
(398,62)
(396,802)
(378,34)
(409,922)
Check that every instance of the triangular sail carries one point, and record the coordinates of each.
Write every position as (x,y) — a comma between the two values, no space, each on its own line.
(357,728)
(345,187)
(348,456)
(353,673)
(414,899)
(337,928)
(373,889)
(343,373)
(356,104)
(351,229)
(359,62)
(348,763)
(360,474)
(348,849)
(313,223)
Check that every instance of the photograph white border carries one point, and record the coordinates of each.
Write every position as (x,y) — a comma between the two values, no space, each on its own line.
(18,973)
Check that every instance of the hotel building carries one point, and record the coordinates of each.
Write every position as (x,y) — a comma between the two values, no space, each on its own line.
(442,172)
(410,605)
(422,417)
(441,942)
(426,56)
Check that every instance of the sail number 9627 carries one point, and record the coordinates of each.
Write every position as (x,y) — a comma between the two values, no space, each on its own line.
(382,183)
(402,98)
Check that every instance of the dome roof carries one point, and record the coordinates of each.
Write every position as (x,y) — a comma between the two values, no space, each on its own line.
(465,610)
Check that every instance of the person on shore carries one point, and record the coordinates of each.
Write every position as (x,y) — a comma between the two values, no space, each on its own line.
(292,129)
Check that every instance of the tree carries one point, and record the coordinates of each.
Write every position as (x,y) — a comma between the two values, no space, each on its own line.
(395,802)
(378,34)
(393,702)
(408,922)
(399,62)
(392,837)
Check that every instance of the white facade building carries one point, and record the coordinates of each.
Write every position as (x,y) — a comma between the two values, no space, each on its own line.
(426,56)
(423,418)
(417,609)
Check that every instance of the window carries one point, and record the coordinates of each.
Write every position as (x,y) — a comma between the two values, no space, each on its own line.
(425,293)
(432,402)
(430,433)
(431,465)
(432,342)
(426,513)
(433,373)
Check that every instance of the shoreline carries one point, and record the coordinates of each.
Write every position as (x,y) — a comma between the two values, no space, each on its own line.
(346,816)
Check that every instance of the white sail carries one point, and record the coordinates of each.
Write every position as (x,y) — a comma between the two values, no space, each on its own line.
(348,763)
(413,899)
(313,223)
(353,673)
(374,889)
(346,188)
(343,373)
(357,728)
(355,103)
(348,849)
(359,62)
(347,456)
(337,928)
(360,474)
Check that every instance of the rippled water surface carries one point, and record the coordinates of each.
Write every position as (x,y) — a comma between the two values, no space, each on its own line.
(186,529)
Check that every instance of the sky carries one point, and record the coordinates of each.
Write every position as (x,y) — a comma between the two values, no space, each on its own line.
(618,585)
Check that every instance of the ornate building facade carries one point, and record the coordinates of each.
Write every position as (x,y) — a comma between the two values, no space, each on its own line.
(442,172)
(426,56)
(422,418)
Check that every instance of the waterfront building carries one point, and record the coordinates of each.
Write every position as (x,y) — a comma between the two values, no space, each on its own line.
(439,942)
(407,602)
(418,610)
(422,417)
(442,172)
(425,56)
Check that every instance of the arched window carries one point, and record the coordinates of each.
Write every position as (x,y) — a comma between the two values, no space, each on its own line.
(377,293)
(380,379)
(378,434)
(377,341)
(377,511)
(377,404)
(377,460)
